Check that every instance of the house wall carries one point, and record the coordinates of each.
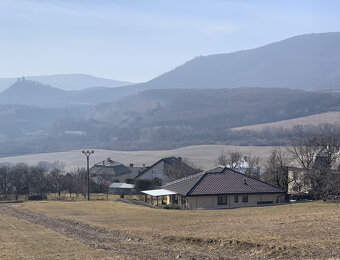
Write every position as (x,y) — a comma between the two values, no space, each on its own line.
(116,178)
(119,191)
(297,183)
(157,171)
(211,202)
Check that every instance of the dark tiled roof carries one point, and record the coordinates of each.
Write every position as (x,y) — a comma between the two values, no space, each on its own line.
(220,181)
(184,185)
(109,167)
(170,160)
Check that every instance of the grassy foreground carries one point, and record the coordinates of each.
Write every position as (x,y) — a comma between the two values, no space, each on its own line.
(305,230)
(22,240)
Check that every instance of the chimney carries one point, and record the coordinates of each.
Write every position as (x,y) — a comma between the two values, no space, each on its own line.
(179,159)
(143,165)
(131,164)
(104,163)
(245,181)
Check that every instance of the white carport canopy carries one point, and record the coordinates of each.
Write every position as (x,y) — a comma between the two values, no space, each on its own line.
(159,192)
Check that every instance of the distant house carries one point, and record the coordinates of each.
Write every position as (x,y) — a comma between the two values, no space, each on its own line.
(165,170)
(114,171)
(299,183)
(122,188)
(221,188)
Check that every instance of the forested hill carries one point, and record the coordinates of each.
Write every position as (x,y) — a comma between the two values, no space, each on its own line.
(213,108)
(158,119)
(308,62)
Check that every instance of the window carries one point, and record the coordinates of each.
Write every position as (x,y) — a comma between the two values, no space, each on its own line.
(245,198)
(222,200)
(236,198)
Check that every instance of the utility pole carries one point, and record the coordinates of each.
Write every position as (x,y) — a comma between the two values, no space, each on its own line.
(87,154)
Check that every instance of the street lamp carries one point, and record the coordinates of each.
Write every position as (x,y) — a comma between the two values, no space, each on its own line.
(87,154)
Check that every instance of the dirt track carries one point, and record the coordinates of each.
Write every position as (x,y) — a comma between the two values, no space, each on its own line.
(103,239)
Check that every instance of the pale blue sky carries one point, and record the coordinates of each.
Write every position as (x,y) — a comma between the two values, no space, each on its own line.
(138,40)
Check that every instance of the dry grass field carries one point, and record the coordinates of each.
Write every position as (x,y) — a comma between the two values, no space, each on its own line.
(20,239)
(324,118)
(202,155)
(106,229)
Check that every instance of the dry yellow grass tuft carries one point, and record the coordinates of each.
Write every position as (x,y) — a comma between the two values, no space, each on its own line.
(305,230)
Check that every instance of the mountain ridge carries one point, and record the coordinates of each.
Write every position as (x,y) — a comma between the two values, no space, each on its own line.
(75,81)
(311,62)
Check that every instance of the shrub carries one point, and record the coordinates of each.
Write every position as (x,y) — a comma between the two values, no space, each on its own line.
(141,184)
(174,206)
(37,197)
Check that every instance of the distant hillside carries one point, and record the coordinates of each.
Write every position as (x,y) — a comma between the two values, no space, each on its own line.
(203,156)
(214,108)
(28,92)
(317,119)
(68,81)
(308,62)
(78,81)
(160,119)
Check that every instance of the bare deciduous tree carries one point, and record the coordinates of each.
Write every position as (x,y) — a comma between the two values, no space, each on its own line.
(77,180)
(317,156)
(252,168)
(181,168)
(18,178)
(57,169)
(232,159)
(5,185)
(276,169)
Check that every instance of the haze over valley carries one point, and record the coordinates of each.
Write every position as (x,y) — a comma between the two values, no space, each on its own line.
(196,103)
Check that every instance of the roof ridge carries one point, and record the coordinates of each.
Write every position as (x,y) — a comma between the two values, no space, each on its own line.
(252,178)
(183,179)
(197,182)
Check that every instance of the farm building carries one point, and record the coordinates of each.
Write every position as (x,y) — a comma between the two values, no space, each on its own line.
(221,188)
(114,171)
(165,170)
(122,188)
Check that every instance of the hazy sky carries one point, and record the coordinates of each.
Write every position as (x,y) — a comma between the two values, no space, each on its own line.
(138,40)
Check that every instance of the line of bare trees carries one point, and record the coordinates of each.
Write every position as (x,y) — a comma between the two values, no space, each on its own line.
(247,164)
(310,165)
(318,164)
(34,182)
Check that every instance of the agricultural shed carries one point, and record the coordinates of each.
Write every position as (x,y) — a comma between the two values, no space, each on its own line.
(121,188)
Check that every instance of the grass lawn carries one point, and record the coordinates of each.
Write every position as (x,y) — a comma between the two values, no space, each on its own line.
(304,230)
